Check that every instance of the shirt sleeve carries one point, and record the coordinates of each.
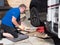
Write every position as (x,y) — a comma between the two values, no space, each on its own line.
(15,14)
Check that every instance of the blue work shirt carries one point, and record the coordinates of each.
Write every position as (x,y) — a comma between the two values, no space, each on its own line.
(7,19)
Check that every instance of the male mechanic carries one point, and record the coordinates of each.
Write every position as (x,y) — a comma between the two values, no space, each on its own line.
(10,23)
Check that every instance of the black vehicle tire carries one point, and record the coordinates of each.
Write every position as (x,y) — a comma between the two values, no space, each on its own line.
(34,17)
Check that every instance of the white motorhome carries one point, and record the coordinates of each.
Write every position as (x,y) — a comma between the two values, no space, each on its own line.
(53,17)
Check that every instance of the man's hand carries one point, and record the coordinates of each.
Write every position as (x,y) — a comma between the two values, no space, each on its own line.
(27,28)
(21,27)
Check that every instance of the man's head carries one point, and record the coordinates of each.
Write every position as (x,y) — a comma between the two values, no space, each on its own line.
(22,8)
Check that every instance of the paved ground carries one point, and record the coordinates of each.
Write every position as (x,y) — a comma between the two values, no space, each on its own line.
(31,40)
(36,41)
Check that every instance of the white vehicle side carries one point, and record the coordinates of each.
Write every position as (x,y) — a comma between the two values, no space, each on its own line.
(53,15)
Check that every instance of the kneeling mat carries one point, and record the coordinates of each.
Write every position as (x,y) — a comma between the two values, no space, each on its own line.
(19,38)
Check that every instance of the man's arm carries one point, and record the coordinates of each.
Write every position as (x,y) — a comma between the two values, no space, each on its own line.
(16,23)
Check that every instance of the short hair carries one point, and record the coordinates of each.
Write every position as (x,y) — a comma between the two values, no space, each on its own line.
(22,5)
